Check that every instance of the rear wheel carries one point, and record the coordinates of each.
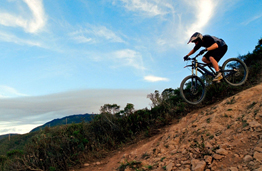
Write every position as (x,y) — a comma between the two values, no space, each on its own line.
(192,89)
(235,71)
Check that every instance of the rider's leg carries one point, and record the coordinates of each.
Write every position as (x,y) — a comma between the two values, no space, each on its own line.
(213,56)
(204,59)
(214,63)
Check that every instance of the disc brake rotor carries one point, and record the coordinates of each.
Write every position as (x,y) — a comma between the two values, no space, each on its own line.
(237,73)
(193,90)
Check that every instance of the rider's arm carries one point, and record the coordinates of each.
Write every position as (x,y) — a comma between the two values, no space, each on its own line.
(191,52)
(197,46)
(212,47)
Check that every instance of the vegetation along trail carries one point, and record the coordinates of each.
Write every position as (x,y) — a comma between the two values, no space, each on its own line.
(222,136)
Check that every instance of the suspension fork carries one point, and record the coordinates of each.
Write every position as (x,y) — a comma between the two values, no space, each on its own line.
(194,67)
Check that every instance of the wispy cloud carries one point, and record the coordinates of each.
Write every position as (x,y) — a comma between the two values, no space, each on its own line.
(7,37)
(33,23)
(128,57)
(147,8)
(204,11)
(189,17)
(39,18)
(95,34)
(142,5)
(179,20)
(7,92)
(152,78)
(254,18)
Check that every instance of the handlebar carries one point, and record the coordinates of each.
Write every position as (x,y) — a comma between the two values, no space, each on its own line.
(193,57)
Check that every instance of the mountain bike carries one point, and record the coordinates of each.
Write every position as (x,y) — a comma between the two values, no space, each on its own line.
(193,87)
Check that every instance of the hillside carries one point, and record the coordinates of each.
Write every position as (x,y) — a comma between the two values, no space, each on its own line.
(78,118)
(18,141)
(6,135)
(225,136)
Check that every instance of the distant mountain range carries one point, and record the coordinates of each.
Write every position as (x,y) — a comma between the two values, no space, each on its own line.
(78,118)
(6,135)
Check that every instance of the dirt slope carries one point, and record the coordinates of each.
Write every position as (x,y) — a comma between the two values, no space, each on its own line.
(226,136)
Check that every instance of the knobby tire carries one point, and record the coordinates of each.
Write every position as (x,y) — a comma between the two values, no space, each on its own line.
(193,90)
(235,78)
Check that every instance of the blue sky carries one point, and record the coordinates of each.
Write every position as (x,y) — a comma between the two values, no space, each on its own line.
(68,57)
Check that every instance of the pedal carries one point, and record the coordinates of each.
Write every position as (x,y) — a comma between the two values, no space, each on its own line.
(218,79)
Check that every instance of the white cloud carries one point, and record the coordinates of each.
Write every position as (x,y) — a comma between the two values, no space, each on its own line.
(178,20)
(95,34)
(82,39)
(128,57)
(31,111)
(16,127)
(14,39)
(204,11)
(142,5)
(187,17)
(256,17)
(152,78)
(147,8)
(37,9)
(6,92)
(33,23)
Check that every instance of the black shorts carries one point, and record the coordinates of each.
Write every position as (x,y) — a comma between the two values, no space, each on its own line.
(217,54)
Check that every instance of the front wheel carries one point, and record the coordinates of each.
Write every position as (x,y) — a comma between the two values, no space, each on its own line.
(235,71)
(192,89)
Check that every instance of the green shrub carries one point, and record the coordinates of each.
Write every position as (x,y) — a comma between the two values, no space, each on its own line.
(13,153)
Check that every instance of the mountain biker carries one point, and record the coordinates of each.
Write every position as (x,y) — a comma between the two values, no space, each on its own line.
(215,48)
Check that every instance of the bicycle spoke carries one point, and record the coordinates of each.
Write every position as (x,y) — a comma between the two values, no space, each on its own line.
(235,71)
(193,89)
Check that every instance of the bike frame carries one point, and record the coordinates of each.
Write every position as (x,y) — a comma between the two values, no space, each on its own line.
(200,66)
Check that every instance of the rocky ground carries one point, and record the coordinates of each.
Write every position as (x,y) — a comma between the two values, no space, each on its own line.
(226,136)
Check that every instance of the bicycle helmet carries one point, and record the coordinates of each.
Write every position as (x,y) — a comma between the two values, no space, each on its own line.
(195,36)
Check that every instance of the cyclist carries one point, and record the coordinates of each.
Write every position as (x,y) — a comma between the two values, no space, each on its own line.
(215,48)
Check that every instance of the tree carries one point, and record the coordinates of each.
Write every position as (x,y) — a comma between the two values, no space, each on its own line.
(156,98)
(168,93)
(129,109)
(258,48)
(109,113)
(111,109)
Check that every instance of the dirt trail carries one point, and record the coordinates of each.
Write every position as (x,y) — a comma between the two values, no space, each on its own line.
(223,136)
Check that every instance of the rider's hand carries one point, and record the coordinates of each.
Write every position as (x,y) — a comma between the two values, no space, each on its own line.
(202,51)
(186,57)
